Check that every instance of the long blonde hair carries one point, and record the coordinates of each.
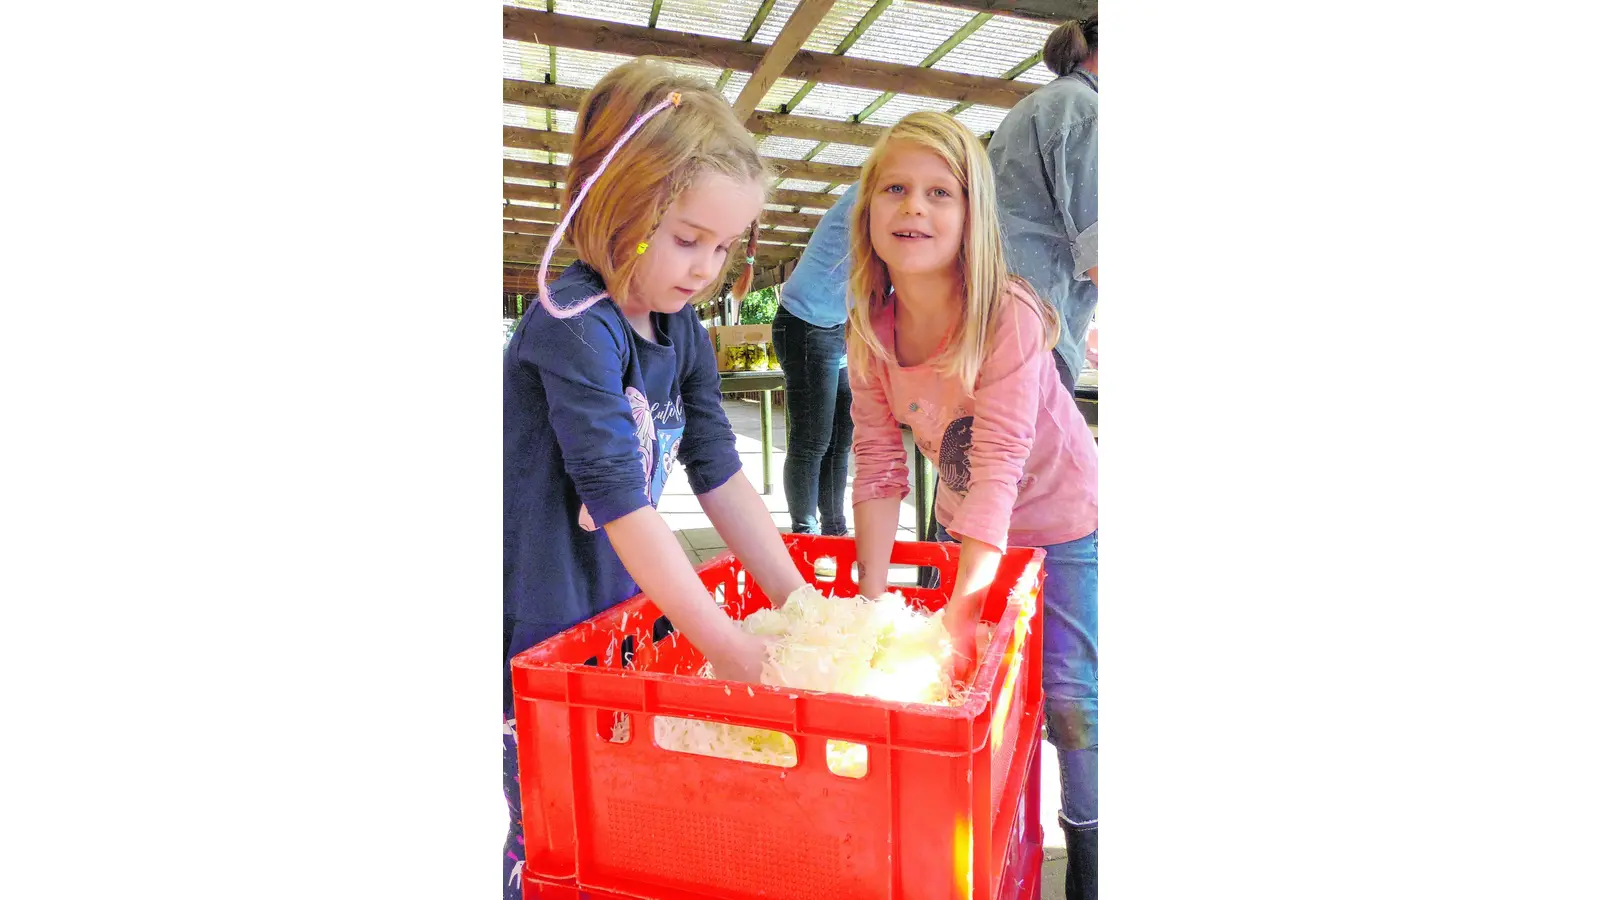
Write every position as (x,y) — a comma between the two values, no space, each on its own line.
(985,281)
(624,206)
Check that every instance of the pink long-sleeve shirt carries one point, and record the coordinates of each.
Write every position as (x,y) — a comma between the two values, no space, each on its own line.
(1017,463)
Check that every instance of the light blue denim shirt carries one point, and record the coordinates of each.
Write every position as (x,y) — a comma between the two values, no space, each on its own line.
(1046,157)
(816,290)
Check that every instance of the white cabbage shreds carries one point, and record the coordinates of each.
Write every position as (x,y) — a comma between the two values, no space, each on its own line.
(879,648)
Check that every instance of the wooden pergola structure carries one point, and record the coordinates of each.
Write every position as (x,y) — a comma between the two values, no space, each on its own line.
(817,82)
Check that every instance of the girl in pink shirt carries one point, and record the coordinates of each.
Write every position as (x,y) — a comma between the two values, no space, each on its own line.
(943,339)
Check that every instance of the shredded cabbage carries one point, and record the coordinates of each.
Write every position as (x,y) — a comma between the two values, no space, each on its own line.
(881,648)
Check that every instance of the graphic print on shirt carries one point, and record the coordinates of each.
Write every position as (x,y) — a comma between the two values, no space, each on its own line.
(644,428)
(955,466)
(657,448)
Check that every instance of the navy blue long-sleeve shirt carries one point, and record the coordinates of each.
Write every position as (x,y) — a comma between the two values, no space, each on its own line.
(595,418)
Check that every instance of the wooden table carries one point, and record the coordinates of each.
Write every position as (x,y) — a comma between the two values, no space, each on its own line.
(764,383)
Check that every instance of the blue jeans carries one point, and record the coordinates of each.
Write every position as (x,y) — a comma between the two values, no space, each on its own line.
(817,392)
(1071,597)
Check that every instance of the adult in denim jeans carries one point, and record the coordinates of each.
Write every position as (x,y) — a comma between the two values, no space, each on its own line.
(1046,157)
(808,333)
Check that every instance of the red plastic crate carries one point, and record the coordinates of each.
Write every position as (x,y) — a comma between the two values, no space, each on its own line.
(939,814)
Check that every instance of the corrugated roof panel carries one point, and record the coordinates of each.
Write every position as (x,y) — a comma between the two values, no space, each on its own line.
(907,32)
(997,47)
(524,155)
(902,105)
(982,119)
(529,62)
(835,101)
(1039,74)
(781,11)
(531,182)
(628,12)
(584,68)
(791,229)
(525,116)
(785,147)
(840,189)
(838,23)
(843,154)
(800,184)
(814,210)
(782,92)
(727,19)
(736,83)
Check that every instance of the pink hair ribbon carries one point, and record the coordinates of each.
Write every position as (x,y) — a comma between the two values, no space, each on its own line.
(567,312)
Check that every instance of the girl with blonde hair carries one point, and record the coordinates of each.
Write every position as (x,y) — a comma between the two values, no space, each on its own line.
(944,339)
(610,381)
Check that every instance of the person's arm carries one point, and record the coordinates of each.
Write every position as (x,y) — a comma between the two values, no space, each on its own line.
(974,576)
(876,523)
(653,557)
(580,364)
(1075,169)
(1004,421)
(882,476)
(1006,409)
(736,511)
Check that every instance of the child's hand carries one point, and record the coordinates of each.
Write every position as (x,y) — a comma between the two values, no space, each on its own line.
(963,632)
(741,659)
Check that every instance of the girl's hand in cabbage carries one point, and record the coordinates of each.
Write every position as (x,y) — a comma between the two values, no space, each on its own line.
(963,630)
(741,659)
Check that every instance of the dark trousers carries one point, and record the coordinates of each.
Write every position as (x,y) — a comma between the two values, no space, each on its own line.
(817,391)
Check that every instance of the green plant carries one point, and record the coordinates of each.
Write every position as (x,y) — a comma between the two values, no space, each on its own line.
(759,307)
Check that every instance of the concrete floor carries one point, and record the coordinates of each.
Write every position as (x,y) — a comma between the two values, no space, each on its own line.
(701,542)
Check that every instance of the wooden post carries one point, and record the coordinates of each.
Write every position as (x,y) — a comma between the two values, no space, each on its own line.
(766,441)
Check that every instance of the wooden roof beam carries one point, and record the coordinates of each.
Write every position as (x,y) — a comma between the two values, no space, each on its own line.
(556,96)
(561,142)
(1039,10)
(804,20)
(516,168)
(553,29)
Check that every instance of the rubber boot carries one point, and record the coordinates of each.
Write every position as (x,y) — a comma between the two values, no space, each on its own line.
(1083,863)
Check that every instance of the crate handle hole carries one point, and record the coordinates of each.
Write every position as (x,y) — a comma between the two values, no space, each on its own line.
(662,628)
(628,645)
(756,745)
(826,570)
(847,760)
(615,727)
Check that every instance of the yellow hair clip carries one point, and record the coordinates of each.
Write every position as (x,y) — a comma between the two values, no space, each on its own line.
(676,98)
(643,246)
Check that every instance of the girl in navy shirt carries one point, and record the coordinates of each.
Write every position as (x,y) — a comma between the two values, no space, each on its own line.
(611,382)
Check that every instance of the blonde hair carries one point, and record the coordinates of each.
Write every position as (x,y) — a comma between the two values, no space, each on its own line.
(985,281)
(624,206)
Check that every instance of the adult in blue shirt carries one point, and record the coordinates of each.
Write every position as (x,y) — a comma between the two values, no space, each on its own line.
(1046,156)
(808,333)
